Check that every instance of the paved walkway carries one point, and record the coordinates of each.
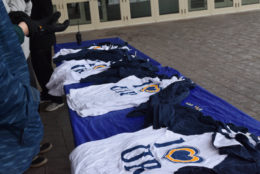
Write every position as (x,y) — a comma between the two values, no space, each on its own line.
(220,53)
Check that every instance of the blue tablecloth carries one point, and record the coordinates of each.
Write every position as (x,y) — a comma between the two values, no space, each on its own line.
(103,126)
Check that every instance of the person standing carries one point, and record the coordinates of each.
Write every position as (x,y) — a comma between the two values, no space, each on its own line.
(26,7)
(21,129)
(41,53)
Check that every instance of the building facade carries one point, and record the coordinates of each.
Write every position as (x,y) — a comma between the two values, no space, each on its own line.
(100,14)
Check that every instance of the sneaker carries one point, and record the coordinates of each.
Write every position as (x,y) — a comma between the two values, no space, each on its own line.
(54,106)
(38,161)
(46,147)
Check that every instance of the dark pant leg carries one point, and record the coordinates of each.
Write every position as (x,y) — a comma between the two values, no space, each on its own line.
(31,72)
(41,62)
(56,99)
(42,65)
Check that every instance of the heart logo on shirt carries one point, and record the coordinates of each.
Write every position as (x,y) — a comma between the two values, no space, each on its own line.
(151,88)
(96,47)
(99,66)
(183,155)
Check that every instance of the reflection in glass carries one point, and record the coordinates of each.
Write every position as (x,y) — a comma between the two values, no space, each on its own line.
(140,8)
(168,6)
(79,13)
(247,2)
(109,10)
(223,3)
(54,8)
(195,5)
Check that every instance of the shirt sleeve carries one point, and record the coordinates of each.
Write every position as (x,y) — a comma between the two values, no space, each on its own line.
(16,5)
(28,8)
(6,6)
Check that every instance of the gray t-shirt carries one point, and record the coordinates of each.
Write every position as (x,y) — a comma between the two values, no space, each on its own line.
(20,5)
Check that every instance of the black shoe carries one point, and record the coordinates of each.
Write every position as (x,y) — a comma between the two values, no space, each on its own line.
(39,161)
(46,147)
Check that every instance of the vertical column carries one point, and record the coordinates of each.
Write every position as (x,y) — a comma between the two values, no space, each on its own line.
(155,9)
(211,5)
(94,12)
(183,7)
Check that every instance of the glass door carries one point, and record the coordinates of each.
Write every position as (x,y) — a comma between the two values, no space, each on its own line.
(249,2)
(140,11)
(59,6)
(197,8)
(140,8)
(169,9)
(197,5)
(111,13)
(223,3)
(98,14)
(80,13)
(249,5)
(224,6)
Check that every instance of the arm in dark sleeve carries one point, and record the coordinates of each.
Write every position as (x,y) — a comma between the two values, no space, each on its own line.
(46,8)
(41,9)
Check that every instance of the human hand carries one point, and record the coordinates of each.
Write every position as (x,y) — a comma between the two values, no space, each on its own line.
(48,24)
